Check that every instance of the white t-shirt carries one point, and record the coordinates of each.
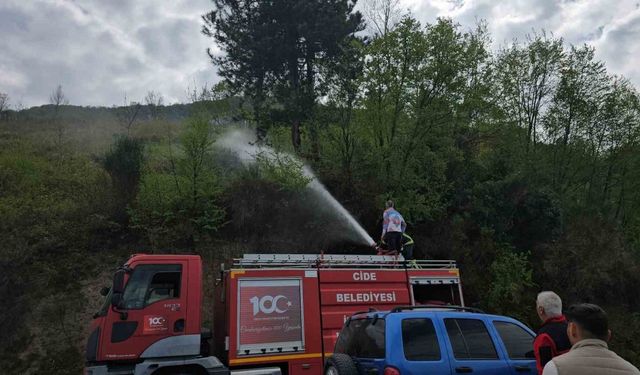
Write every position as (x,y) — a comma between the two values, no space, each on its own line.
(392,221)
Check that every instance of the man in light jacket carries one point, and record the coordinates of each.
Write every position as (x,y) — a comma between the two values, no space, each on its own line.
(588,332)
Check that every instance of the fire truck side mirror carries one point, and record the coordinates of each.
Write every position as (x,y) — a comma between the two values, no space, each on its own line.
(118,287)
(116,298)
(118,281)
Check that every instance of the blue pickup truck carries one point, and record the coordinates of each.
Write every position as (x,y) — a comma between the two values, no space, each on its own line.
(429,340)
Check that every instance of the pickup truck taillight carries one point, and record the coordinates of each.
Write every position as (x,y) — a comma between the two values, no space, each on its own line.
(391,371)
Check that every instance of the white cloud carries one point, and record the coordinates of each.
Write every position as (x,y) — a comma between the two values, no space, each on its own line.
(101,50)
(618,45)
(612,27)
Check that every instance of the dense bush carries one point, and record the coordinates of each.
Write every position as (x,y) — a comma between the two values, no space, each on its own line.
(123,162)
(177,204)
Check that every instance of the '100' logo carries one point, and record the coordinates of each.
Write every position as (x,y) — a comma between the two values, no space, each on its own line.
(156,321)
(269,304)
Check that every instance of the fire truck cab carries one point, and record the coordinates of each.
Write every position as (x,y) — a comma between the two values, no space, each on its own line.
(272,313)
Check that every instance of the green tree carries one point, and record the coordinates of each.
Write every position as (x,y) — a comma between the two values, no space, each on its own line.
(154,102)
(272,50)
(58,99)
(618,136)
(343,97)
(124,163)
(382,15)
(178,198)
(527,77)
(4,104)
(574,109)
(390,77)
(283,170)
(420,85)
(511,284)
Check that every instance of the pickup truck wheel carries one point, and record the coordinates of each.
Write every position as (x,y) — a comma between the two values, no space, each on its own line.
(341,364)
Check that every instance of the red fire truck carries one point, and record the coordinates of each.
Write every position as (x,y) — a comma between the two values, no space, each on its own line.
(273,314)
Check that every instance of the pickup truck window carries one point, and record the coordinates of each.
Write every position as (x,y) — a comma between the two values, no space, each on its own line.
(363,339)
(519,343)
(150,283)
(420,340)
(470,339)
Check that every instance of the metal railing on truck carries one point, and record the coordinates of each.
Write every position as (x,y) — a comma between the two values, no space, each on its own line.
(337,261)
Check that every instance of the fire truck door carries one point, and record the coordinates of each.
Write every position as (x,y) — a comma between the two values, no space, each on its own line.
(153,307)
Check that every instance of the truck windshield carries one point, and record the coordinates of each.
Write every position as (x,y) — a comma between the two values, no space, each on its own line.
(151,283)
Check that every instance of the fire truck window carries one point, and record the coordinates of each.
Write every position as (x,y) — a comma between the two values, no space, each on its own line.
(420,340)
(517,341)
(470,339)
(164,285)
(150,283)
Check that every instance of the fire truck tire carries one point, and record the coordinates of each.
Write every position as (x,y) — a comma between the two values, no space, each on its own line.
(340,364)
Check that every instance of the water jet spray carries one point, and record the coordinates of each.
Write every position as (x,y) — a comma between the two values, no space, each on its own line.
(240,143)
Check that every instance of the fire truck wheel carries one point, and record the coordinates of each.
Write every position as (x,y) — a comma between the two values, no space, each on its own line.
(341,364)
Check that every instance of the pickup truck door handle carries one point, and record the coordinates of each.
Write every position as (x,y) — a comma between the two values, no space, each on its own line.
(464,369)
(522,368)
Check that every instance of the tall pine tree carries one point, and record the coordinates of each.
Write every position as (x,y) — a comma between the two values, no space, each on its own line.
(273,51)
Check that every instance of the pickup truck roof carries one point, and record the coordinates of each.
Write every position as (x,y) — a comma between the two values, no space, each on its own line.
(421,310)
(440,311)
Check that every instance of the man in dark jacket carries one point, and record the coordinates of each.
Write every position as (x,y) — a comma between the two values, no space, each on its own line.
(552,339)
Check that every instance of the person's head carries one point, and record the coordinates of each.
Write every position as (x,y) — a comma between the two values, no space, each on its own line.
(587,321)
(548,305)
(389,204)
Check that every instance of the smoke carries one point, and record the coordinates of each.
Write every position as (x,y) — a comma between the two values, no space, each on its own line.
(240,143)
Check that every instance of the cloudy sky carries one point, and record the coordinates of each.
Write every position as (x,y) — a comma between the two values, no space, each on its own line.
(101,50)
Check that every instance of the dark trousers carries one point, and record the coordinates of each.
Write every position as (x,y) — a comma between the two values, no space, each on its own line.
(393,241)
(407,252)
